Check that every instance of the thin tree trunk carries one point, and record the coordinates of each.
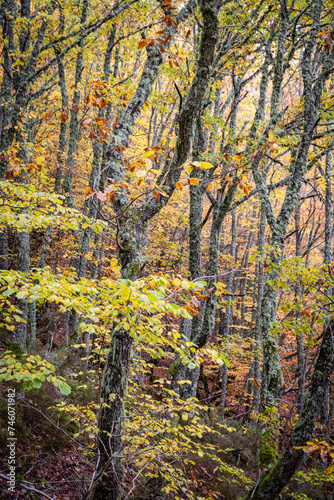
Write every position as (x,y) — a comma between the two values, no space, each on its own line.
(299,332)
(22,245)
(328,252)
(228,313)
(257,333)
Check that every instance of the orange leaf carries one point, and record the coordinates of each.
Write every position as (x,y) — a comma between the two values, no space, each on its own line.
(194,182)
(156,196)
(111,196)
(142,44)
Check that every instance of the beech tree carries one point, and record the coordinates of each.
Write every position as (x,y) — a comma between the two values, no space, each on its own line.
(166,247)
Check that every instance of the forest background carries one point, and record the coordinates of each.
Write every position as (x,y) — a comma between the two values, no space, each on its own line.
(166,248)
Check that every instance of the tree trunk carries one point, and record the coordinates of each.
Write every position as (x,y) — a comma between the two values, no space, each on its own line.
(299,332)
(257,333)
(228,314)
(133,226)
(273,483)
(23,264)
(328,251)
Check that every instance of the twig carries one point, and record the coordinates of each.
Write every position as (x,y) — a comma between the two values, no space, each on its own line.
(29,488)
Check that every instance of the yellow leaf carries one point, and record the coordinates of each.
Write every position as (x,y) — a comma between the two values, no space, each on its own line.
(330,469)
(185,416)
(202,164)
(148,154)
(271,135)
(179,186)
(210,186)
(194,182)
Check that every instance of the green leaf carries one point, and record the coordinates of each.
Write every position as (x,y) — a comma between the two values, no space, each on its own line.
(65,389)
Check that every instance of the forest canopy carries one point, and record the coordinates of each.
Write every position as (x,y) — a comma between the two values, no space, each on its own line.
(166,260)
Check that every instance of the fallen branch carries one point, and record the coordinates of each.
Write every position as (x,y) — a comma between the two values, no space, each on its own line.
(29,488)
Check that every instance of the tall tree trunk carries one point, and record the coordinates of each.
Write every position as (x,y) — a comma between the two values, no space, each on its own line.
(328,251)
(273,482)
(228,313)
(22,246)
(257,332)
(272,379)
(74,122)
(299,331)
(133,226)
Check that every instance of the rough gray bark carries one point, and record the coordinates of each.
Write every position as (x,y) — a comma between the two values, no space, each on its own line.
(272,381)
(22,245)
(74,122)
(91,206)
(228,313)
(328,252)
(3,251)
(299,333)
(258,314)
(63,126)
(273,483)
(132,233)
(328,210)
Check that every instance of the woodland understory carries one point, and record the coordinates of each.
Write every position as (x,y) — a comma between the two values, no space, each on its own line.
(166,249)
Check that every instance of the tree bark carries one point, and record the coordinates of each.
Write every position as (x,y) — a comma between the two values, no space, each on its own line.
(273,483)
(133,226)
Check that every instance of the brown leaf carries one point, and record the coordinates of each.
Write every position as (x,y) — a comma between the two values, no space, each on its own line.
(142,44)
(85,122)
(156,196)
(306,312)
(103,102)
(64,116)
(111,196)
(48,115)
(195,301)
